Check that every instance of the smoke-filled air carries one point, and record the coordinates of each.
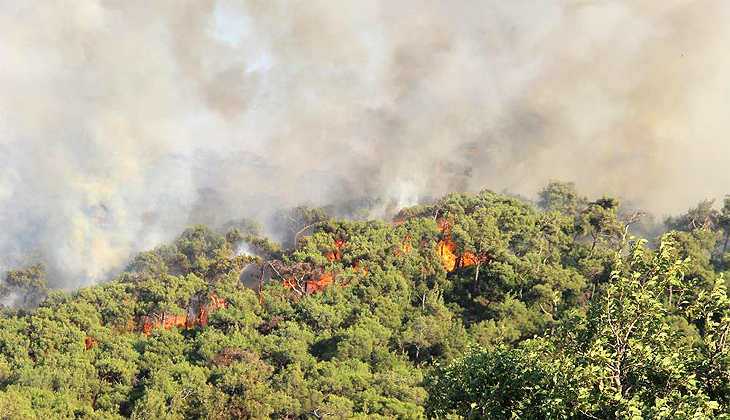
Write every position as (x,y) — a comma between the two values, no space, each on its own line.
(364,210)
(123,122)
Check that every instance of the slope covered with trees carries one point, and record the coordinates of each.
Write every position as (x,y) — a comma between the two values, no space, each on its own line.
(472,307)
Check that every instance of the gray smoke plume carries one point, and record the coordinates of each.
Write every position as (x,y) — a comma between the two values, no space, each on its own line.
(122,122)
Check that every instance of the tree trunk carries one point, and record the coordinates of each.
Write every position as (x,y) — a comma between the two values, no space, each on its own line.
(593,289)
(593,247)
(717,257)
(617,378)
(296,235)
(261,280)
(476,277)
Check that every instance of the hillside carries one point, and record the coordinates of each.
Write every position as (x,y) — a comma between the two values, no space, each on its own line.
(479,306)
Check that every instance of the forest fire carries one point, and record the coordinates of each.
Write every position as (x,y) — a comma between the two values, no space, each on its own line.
(336,254)
(311,280)
(90,343)
(310,286)
(217,302)
(319,284)
(196,314)
(447,251)
(405,247)
(202,318)
(357,266)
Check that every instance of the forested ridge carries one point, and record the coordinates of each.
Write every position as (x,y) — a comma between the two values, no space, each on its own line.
(475,306)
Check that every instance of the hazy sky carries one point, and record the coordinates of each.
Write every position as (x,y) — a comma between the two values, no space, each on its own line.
(122,122)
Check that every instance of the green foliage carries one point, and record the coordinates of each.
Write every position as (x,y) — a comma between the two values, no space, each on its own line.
(30,282)
(545,313)
(561,197)
(623,360)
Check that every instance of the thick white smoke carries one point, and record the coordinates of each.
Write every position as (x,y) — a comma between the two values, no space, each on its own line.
(123,122)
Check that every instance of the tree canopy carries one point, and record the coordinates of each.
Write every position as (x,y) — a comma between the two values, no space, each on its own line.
(473,306)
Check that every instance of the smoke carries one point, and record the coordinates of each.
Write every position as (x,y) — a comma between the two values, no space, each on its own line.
(123,122)
(243,249)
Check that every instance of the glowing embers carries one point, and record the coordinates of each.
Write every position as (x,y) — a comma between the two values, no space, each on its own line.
(447,251)
(195,314)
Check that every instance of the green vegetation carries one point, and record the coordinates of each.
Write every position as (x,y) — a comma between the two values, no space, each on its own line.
(474,307)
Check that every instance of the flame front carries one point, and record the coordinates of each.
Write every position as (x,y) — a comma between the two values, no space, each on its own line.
(319,284)
(336,254)
(447,251)
(311,286)
(196,314)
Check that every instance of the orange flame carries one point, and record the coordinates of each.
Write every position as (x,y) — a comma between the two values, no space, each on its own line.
(197,314)
(447,251)
(311,286)
(174,321)
(406,247)
(357,267)
(469,258)
(314,285)
(289,284)
(217,302)
(443,225)
(202,319)
(90,342)
(319,284)
(336,254)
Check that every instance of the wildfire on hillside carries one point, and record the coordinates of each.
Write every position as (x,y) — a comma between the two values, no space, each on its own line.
(315,284)
(312,280)
(196,314)
(90,343)
(447,251)
(406,246)
(357,266)
(336,254)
